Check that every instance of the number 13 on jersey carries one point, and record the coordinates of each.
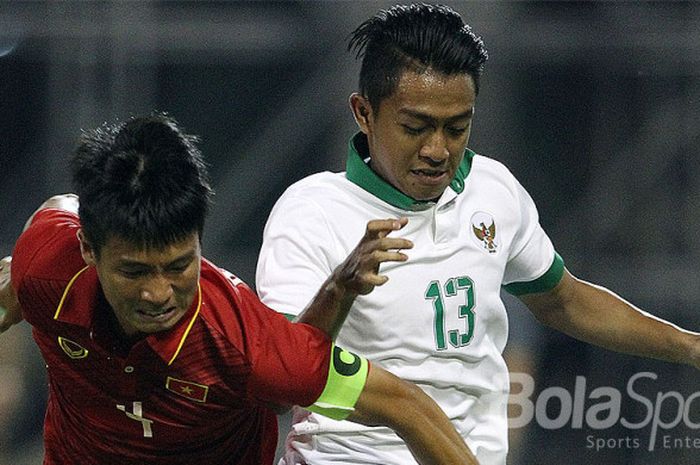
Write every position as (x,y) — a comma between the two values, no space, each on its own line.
(456,291)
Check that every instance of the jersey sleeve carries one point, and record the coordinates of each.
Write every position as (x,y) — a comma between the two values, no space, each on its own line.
(296,255)
(288,361)
(291,363)
(45,256)
(533,264)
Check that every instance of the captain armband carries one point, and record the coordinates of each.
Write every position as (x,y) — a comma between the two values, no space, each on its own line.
(347,375)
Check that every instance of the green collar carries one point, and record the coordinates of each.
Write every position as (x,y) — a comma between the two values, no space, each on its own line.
(359,172)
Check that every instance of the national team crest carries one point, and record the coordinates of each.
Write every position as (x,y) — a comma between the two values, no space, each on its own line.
(71,348)
(188,389)
(484,231)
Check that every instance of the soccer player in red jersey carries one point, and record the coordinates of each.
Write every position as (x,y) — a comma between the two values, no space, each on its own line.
(154,354)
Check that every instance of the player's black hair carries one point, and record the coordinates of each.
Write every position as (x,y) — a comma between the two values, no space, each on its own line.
(416,37)
(143,180)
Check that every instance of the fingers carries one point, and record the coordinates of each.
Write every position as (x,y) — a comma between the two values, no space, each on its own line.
(359,273)
(4,326)
(375,248)
(5,270)
(375,245)
(7,297)
(381,228)
(373,279)
(381,256)
(367,275)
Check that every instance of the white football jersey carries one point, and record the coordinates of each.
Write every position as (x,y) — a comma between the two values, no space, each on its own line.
(439,321)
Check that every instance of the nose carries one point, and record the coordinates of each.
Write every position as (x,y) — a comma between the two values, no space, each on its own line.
(435,148)
(157,291)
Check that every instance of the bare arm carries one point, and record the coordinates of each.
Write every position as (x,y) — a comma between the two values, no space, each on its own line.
(594,314)
(10,311)
(389,401)
(357,275)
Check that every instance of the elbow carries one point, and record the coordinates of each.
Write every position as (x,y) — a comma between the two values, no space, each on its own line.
(556,318)
(67,202)
(555,308)
(546,317)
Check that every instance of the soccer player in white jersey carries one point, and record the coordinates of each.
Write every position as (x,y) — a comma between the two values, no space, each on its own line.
(438,321)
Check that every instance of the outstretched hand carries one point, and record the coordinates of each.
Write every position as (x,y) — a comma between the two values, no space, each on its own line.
(10,312)
(359,273)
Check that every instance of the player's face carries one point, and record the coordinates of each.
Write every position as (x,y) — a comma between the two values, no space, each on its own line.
(148,289)
(418,136)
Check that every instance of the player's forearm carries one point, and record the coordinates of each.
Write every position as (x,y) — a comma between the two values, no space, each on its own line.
(431,437)
(10,312)
(596,315)
(329,307)
(414,416)
(622,327)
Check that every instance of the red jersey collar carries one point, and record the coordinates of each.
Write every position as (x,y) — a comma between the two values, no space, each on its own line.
(81,297)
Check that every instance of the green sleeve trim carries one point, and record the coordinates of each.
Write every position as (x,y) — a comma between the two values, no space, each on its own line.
(347,375)
(544,283)
(289,316)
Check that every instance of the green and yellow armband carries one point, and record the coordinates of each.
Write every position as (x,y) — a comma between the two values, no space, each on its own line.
(347,375)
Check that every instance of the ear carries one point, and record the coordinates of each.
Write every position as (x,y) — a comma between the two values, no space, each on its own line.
(362,111)
(86,249)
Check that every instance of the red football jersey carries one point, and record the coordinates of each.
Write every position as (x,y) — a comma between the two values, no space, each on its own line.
(198,393)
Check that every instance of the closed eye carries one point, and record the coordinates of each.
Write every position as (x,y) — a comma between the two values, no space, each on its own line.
(133,274)
(180,266)
(178,269)
(414,131)
(457,131)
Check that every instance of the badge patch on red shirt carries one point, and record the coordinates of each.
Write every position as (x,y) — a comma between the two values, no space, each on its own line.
(188,389)
(72,349)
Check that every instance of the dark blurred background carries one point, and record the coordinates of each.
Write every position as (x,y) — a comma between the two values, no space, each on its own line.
(594,106)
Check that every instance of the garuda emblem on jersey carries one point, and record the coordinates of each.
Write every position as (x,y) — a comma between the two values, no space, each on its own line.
(484,231)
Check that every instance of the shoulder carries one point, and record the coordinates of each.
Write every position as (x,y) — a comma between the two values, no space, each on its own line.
(310,202)
(485,165)
(488,173)
(46,258)
(316,188)
(321,180)
(325,198)
(230,307)
(223,298)
(51,240)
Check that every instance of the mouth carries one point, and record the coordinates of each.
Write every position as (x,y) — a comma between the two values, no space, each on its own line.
(430,176)
(158,315)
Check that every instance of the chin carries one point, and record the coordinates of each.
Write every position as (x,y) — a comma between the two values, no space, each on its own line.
(428,197)
(153,329)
